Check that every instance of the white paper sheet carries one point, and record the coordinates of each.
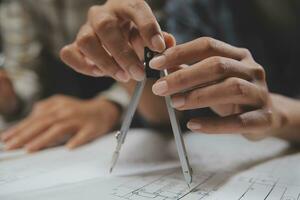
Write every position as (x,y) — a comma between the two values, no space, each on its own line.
(225,167)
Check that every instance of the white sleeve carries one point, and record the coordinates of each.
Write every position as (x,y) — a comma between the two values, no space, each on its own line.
(117,94)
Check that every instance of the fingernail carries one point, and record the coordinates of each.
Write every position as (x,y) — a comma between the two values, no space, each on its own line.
(137,73)
(122,76)
(178,102)
(194,126)
(158,43)
(158,62)
(97,72)
(160,88)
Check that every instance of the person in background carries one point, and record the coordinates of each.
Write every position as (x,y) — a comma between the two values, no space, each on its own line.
(244,92)
(53,103)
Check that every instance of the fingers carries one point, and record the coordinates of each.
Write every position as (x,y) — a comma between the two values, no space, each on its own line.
(82,137)
(27,134)
(105,41)
(92,48)
(142,16)
(55,133)
(197,50)
(107,28)
(230,91)
(205,72)
(75,59)
(138,44)
(243,123)
(12,132)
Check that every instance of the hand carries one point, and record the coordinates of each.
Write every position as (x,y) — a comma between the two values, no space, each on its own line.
(61,117)
(104,45)
(224,78)
(8,97)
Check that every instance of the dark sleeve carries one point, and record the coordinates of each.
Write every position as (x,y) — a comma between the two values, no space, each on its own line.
(188,20)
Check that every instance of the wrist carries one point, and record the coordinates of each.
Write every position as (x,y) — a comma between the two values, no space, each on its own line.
(110,108)
(289,110)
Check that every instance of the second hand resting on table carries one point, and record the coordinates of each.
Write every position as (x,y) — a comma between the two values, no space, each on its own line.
(61,117)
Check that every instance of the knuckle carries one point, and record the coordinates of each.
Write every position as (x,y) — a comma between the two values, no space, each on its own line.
(268,117)
(65,52)
(208,42)
(106,23)
(220,65)
(137,5)
(58,128)
(259,72)
(263,96)
(85,39)
(239,86)
(245,52)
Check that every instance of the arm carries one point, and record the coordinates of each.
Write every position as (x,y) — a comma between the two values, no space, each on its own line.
(291,112)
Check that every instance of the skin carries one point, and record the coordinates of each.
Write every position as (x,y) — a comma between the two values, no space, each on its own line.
(103,45)
(61,118)
(229,81)
(126,27)
(220,76)
(8,97)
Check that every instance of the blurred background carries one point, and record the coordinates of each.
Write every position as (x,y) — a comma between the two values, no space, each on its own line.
(32,34)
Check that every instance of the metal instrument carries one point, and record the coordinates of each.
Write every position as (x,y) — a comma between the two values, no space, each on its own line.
(121,135)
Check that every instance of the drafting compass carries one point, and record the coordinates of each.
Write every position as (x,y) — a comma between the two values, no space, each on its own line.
(121,135)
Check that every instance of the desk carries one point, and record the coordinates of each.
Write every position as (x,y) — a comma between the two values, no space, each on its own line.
(226,167)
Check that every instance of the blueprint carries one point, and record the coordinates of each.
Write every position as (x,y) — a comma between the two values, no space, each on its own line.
(225,167)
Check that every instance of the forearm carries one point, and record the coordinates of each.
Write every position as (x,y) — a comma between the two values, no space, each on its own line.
(151,107)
